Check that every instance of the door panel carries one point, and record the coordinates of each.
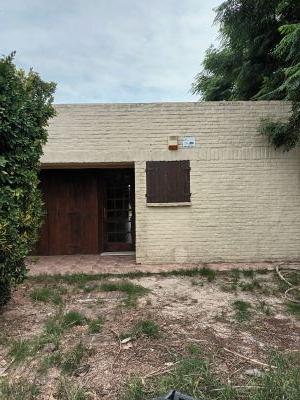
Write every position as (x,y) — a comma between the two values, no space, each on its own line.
(119,213)
(72,212)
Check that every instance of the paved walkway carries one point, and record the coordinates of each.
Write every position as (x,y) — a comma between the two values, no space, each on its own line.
(95,264)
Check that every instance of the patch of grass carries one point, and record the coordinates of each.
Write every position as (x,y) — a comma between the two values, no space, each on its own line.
(68,390)
(193,349)
(73,318)
(250,286)
(95,325)
(55,326)
(132,290)
(46,295)
(20,349)
(196,377)
(293,308)
(292,276)
(242,310)
(192,376)
(280,383)
(18,390)
(230,280)
(123,286)
(229,287)
(53,329)
(72,359)
(133,390)
(249,273)
(235,274)
(41,294)
(146,328)
(208,273)
(264,308)
(50,361)
(83,278)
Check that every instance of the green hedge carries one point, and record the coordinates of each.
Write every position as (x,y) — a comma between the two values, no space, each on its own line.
(26,104)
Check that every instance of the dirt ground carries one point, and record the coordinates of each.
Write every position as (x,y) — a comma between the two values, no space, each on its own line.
(189,310)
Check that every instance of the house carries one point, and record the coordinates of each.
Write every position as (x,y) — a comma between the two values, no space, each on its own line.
(174,182)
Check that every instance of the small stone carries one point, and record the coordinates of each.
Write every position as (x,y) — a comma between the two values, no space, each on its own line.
(50,348)
(127,346)
(253,372)
(126,340)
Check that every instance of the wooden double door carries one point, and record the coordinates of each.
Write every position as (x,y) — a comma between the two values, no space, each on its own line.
(87,211)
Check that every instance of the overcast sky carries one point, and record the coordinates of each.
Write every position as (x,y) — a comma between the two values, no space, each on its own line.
(111,50)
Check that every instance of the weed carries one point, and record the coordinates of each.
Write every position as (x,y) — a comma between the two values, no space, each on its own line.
(57,298)
(191,376)
(132,290)
(229,287)
(123,286)
(196,378)
(18,390)
(193,349)
(249,273)
(242,310)
(280,383)
(293,308)
(146,328)
(95,325)
(133,390)
(250,286)
(67,390)
(235,274)
(73,318)
(264,308)
(53,329)
(232,284)
(50,361)
(20,350)
(208,273)
(41,294)
(83,278)
(46,295)
(72,359)
(55,326)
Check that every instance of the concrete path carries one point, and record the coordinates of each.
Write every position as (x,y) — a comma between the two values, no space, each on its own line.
(118,264)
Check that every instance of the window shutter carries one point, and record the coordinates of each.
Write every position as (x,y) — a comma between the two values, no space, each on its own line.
(168,181)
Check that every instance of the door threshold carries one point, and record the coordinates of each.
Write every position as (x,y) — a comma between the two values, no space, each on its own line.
(117,253)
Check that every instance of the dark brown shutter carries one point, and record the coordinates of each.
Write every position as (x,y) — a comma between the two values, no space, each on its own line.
(168,181)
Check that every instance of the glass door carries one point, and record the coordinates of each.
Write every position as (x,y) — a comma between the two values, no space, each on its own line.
(119,210)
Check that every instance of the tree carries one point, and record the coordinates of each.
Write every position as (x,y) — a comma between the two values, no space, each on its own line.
(26,104)
(286,134)
(257,59)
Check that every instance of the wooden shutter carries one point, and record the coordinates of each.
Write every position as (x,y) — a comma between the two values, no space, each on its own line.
(168,181)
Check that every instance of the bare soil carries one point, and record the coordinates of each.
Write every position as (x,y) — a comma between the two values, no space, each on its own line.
(188,310)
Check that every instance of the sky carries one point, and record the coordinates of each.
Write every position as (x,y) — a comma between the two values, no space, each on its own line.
(104,51)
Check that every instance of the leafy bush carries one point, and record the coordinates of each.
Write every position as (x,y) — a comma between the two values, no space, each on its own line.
(25,108)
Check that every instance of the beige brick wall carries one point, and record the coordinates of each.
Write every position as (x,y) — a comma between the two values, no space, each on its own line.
(245,196)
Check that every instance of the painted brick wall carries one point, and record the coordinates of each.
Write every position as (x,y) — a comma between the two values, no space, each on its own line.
(245,196)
